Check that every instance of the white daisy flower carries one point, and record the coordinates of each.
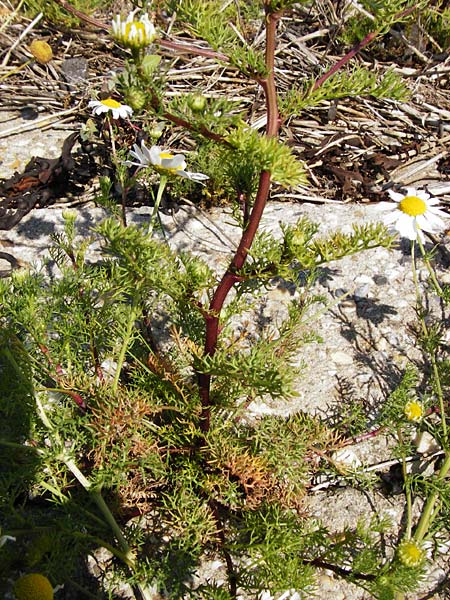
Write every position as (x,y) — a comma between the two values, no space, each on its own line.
(163,161)
(118,110)
(134,33)
(415,212)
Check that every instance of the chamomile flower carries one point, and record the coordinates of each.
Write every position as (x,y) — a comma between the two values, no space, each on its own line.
(413,411)
(163,161)
(33,586)
(411,553)
(118,110)
(134,33)
(413,213)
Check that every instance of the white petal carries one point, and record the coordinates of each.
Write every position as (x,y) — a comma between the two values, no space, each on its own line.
(434,210)
(196,176)
(137,154)
(155,154)
(396,196)
(429,222)
(406,226)
(101,108)
(433,201)
(176,162)
(419,193)
(146,153)
(5,538)
(391,217)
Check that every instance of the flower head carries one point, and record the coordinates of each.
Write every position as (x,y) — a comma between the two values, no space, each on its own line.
(413,411)
(134,33)
(415,212)
(411,553)
(163,161)
(118,110)
(33,586)
(41,51)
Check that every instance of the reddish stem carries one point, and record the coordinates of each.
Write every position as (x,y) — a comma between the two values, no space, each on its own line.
(231,275)
(178,47)
(191,49)
(345,59)
(357,48)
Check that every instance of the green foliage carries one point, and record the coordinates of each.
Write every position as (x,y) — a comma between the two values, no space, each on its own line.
(301,250)
(141,429)
(223,29)
(436,18)
(127,381)
(55,13)
(252,153)
(378,16)
(393,409)
(357,81)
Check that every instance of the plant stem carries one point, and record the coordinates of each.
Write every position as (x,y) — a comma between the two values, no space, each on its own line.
(429,511)
(436,376)
(356,48)
(128,555)
(430,269)
(407,491)
(125,342)
(231,275)
(161,187)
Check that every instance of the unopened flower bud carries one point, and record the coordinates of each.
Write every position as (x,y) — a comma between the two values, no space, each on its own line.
(69,214)
(411,553)
(136,98)
(199,272)
(197,103)
(156,132)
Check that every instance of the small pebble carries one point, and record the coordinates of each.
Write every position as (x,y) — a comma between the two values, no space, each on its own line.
(362,291)
(380,279)
(425,443)
(346,457)
(341,358)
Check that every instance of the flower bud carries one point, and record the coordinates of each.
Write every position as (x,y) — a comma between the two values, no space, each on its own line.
(156,132)
(410,553)
(197,103)
(69,214)
(136,98)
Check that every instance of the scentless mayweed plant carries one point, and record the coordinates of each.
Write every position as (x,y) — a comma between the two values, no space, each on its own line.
(125,382)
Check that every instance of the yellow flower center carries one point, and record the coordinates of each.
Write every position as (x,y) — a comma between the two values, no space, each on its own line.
(410,553)
(33,586)
(413,206)
(110,103)
(413,411)
(140,28)
(166,155)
